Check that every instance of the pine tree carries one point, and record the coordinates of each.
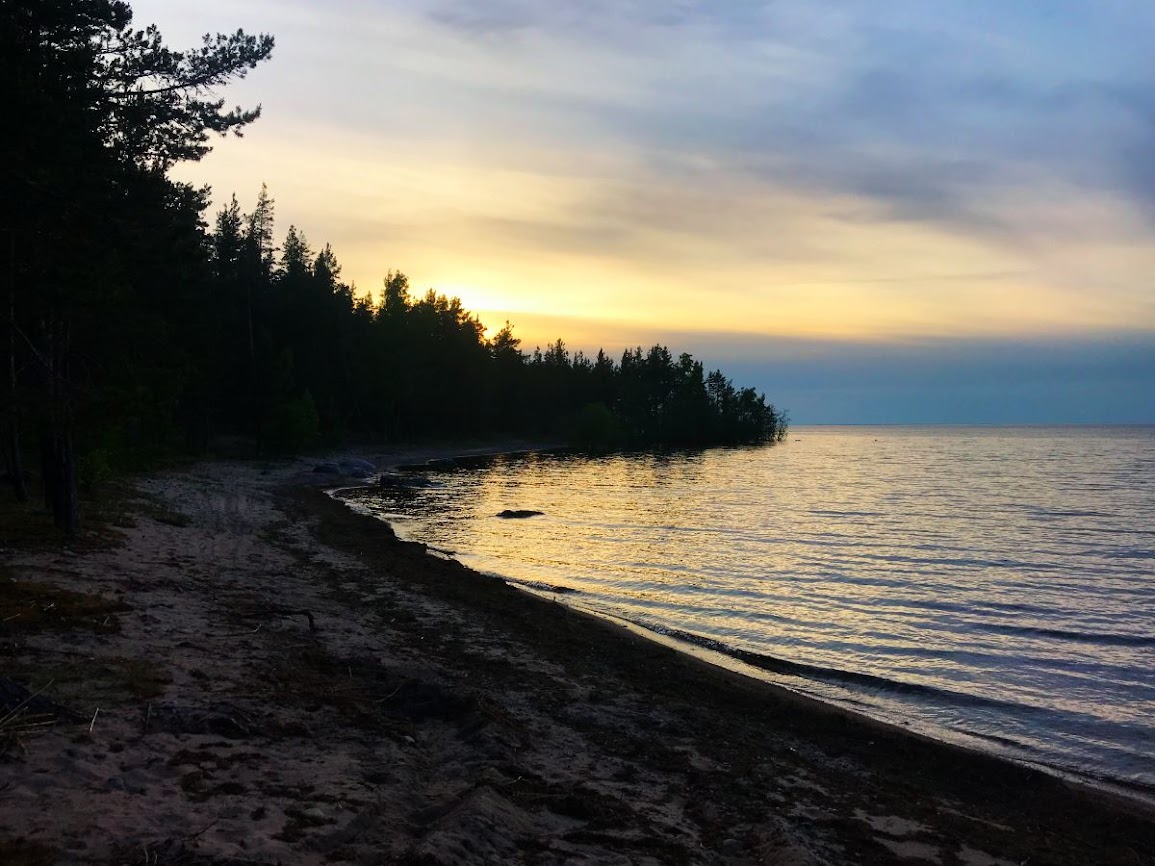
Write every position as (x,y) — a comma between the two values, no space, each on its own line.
(103,111)
(228,242)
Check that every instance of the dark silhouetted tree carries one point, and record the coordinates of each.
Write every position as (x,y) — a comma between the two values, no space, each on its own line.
(103,111)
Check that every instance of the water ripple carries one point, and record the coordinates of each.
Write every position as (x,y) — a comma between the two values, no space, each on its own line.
(989,585)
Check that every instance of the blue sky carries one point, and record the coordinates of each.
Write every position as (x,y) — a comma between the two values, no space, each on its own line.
(890,211)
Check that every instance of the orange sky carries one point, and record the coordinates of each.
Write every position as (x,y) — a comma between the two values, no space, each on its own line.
(688,176)
(718,252)
(611,172)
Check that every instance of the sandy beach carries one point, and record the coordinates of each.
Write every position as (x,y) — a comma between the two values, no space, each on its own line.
(244,671)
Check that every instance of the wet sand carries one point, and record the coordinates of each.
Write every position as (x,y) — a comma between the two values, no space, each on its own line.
(266,677)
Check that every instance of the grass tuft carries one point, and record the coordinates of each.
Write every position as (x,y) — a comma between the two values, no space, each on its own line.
(35,606)
(91,682)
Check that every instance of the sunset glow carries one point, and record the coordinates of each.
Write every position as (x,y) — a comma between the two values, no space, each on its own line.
(779,171)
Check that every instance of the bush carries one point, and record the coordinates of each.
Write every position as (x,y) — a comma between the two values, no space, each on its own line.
(94,469)
(294,425)
(597,428)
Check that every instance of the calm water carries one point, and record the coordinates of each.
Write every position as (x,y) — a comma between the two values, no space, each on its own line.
(993,586)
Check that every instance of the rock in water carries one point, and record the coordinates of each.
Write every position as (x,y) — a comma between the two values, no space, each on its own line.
(518,513)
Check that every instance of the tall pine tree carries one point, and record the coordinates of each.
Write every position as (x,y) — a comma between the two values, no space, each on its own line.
(101,112)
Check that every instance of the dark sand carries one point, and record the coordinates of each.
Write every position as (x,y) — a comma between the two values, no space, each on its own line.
(434,715)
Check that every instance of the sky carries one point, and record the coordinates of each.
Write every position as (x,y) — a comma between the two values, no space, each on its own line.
(886,212)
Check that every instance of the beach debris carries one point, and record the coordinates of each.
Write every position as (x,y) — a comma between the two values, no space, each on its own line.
(275,610)
(518,513)
(19,705)
(24,713)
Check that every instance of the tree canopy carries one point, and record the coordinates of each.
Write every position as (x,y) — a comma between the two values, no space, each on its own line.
(99,112)
(130,324)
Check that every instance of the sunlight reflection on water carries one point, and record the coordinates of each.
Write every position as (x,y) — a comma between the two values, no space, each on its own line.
(996,583)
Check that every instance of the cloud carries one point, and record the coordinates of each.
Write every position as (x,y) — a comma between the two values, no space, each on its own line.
(939,113)
(896,210)
(934,113)
(891,168)
(622,18)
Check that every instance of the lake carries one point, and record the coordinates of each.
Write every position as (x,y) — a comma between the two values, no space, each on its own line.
(988,586)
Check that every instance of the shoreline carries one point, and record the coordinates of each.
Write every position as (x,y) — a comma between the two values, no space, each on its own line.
(822,712)
(1137,796)
(1141,796)
(324,692)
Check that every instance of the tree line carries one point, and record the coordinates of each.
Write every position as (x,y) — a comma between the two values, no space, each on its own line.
(300,357)
(130,323)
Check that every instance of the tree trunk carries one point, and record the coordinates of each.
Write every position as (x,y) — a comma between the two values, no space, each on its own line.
(9,417)
(256,398)
(65,502)
(57,457)
(13,468)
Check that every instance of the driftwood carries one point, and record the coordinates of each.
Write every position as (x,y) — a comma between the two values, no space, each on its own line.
(24,713)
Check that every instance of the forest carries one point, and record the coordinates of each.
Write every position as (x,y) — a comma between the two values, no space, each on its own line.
(136,322)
